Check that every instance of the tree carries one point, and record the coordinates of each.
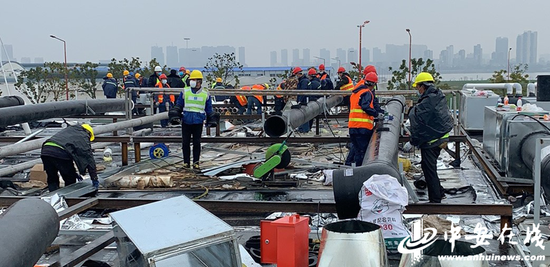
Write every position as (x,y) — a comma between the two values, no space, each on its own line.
(223,66)
(55,79)
(31,83)
(400,81)
(84,76)
(150,68)
(517,75)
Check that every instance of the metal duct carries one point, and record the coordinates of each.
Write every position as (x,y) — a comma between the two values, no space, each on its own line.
(527,145)
(277,125)
(10,101)
(508,86)
(35,144)
(28,227)
(431,256)
(531,87)
(517,89)
(20,114)
(352,243)
(380,158)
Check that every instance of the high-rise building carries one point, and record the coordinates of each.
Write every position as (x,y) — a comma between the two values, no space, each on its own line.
(500,56)
(242,58)
(478,54)
(296,57)
(25,60)
(158,54)
(172,58)
(365,56)
(273,58)
(353,55)
(284,57)
(307,57)
(377,55)
(428,54)
(341,55)
(182,57)
(325,54)
(526,48)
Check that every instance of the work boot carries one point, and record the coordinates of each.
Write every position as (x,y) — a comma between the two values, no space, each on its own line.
(196,166)
(186,165)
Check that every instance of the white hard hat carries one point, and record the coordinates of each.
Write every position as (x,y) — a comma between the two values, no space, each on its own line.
(158,68)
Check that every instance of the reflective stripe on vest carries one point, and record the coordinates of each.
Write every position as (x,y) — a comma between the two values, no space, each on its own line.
(258,87)
(53,144)
(324,76)
(279,88)
(358,118)
(443,137)
(347,86)
(161,97)
(242,100)
(194,102)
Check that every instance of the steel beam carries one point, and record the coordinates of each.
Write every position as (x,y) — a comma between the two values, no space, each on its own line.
(86,251)
(77,208)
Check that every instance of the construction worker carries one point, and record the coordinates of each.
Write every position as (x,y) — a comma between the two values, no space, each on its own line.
(164,102)
(174,80)
(345,83)
(361,116)
(280,99)
(193,107)
(69,145)
(185,76)
(154,78)
(131,82)
(303,84)
(431,123)
(142,80)
(326,82)
(240,101)
(256,100)
(219,85)
(110,86)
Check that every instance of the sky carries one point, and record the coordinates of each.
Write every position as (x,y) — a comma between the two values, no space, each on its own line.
(99,30)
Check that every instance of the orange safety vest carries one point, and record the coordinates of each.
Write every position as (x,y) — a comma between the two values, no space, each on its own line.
(161,97)
(324,76)
(347,86)
(358,118)
(279,88)
(361,82)
(258,87)
(241,98)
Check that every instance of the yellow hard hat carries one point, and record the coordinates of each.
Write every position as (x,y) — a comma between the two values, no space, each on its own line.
(90,130)
(109,75)
(187,71)
(137,75)
(125,73)
(218,80)
(423,77)
(195,74)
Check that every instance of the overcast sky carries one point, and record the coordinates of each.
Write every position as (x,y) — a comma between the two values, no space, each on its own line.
(96,30)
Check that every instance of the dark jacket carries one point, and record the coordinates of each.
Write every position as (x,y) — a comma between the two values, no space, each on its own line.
(430,119)
(343,81)
(174,80)
(143,82)
(326,83)
(303,84)
(364,102)
(152,80)
(219,98)
(110,87)
(314,84)
(130,81)
(76,142)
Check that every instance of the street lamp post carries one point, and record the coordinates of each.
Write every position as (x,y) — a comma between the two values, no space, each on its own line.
(410,52)
(509,51)
(322,59)
(337,59)
(186,42)
(66,70)
(360,39)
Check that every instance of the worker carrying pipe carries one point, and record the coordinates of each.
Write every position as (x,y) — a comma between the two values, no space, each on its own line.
(58,153)
(431,123)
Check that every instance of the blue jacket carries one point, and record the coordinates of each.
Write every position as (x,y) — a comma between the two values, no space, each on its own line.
(364,101)
(194,117)
(110,87)
(130,81)
(314,84)
(303,84)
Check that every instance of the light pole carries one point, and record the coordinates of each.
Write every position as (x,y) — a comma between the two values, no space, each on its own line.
(186,42)
(360,39)
(337,59)
(509,51)
(322,59)
(66,70)
(410,51)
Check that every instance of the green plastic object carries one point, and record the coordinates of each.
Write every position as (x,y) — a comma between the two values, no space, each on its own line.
(277,156)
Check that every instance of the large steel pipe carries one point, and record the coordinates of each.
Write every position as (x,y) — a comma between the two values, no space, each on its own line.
(10,101)
(527,151)
(35,144)
(28,227)
(277,125)
(27,113)
(380,158)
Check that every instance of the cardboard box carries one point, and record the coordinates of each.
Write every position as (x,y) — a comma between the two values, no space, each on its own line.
(37,173)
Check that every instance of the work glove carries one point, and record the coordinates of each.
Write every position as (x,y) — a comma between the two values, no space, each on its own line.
(408,147)
(380,116)
(79,178)
(95,183)
(175,121)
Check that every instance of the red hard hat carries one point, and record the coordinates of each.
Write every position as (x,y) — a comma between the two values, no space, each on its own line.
(371,77)
(369,68)
(322,67)
(163,76)
(182,69)
(312,72)
(296,70)
(341,69)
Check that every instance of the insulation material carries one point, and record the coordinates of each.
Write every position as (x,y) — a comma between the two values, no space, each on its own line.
(141,182)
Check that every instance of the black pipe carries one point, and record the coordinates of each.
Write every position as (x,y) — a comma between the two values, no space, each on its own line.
(28,113)
(28,228)
(277,125)
(380,158)
(527,150)
(10,101)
